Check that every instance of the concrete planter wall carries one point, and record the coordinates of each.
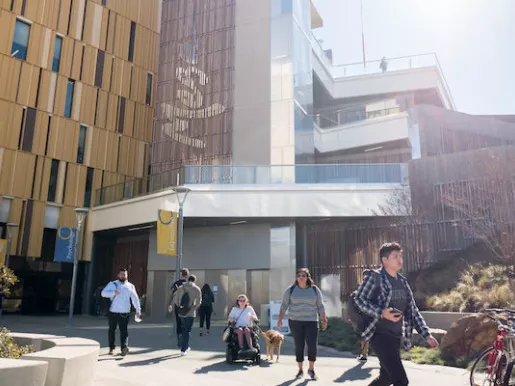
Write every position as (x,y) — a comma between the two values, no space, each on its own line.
(57,361)
(443,320)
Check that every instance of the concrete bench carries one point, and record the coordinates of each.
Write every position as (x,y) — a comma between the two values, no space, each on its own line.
(15,372)
(69,361)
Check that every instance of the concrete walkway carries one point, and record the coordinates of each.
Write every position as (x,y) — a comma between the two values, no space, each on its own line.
(155,361)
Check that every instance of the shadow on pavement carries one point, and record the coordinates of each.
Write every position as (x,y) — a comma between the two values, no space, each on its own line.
(220,367)
(151,361)
(289,383)
(356,373)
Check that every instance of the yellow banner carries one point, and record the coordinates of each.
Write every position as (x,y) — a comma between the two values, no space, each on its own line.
(3,251)
(166,233)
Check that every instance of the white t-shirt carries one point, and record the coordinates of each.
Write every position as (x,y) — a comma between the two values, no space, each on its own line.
(243,317)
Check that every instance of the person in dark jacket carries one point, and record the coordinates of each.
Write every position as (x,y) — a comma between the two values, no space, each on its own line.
(185,274)
(206,308)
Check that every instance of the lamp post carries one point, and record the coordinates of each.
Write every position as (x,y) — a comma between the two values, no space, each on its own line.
(181,192)
(10,228)
(80,214)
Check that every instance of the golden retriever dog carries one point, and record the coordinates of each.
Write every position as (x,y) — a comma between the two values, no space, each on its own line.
(273,340)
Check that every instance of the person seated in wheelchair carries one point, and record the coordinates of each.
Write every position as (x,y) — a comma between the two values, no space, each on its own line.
(241,318)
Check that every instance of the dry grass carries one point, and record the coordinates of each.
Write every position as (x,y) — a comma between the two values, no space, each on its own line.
(480,286)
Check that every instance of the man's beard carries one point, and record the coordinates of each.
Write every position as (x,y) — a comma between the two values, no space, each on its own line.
(122,279)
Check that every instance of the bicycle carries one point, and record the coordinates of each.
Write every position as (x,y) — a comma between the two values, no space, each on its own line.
(492,372)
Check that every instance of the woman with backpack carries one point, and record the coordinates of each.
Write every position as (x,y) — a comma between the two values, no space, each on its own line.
(304,303)
(206,308)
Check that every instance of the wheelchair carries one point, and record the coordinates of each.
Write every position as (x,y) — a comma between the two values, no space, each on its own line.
(232,352)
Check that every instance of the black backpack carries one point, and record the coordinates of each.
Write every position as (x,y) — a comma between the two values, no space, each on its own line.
(356,317)
(207,300)
(184,306)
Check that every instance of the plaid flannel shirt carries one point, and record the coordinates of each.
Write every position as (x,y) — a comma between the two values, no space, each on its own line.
(375,294)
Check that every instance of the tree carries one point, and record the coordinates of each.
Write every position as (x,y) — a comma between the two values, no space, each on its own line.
(484,206)
(7,280)
(411,227)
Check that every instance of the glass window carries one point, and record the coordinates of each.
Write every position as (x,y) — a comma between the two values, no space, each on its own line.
(286,6)
(52,184)
(20,40)
(69,98)
(149,89)
(57,53)
(89,187)
(82,144)
(131,41)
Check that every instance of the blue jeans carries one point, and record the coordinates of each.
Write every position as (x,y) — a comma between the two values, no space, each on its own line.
(187,324)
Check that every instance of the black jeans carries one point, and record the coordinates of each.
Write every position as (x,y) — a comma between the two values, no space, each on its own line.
(304,332)
(121,320)
(388,350)
(205,315)
(178,327)
(187,324)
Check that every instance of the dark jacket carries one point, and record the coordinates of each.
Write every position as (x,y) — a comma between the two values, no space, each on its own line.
(374,306)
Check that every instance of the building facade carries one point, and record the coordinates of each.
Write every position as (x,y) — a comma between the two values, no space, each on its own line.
(77,93)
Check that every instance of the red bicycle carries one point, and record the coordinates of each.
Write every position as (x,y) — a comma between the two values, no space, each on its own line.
(490,368)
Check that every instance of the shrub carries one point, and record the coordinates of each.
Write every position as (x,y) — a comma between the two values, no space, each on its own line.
(428,356)
(9,348)
(7,280)
(340,336)
(479,286)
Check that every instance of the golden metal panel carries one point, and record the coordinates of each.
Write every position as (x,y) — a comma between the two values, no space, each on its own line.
(35,46)
(70,185)
(24,172)
(131,162)
(7,21)
(15,210)
(125,78)
(6,173)
(33,86)
(77,60)
(66,55)
(47,164)
(60,95)
(67,217)
(103,30)
(36,228)
(63,19)
(44,90)
(101,106)
(40,133)
(38,178)
(123,155)
(81,185)
(112,112)
(108,65)
(129,117)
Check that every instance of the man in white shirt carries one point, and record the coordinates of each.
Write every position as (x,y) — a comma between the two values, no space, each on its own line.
(121,293)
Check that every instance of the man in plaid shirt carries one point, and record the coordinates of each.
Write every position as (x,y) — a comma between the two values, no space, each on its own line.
(386,297)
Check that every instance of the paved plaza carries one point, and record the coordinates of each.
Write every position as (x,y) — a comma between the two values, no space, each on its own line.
(155,361)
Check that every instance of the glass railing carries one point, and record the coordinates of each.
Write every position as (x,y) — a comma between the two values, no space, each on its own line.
(255,175)
(347,116)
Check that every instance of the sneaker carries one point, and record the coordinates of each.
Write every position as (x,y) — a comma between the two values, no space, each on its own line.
(300,375)
(208,332)
(186,352)
(125,351)
(311,373)
(362,359)
(201,332)
(111,352)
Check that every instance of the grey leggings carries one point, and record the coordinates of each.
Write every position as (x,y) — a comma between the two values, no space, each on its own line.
(304,332)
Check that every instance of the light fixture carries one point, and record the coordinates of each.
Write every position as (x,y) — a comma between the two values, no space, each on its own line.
(373,148)
(237,222)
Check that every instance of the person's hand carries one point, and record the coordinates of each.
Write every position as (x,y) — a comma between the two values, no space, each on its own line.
(388,314)
(280,324)
(324,324)
(117,292)
(431,341)
(170,308)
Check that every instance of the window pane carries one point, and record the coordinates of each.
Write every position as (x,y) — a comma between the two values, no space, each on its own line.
(52,184)
(99,72)
(69,99)
(149,89)
(82,144)
(20,40)
(89,187)
(131,41)
(57,54)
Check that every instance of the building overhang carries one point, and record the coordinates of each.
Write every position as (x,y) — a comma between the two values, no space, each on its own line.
(245,201)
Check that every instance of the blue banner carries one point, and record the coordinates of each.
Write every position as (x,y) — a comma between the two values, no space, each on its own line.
(65,245)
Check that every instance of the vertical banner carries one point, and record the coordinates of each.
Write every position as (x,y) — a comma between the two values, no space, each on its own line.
(65,245)
(3,251)
(166,233)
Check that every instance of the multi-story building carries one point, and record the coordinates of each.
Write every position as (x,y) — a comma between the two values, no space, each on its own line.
(272,140)
(77,89)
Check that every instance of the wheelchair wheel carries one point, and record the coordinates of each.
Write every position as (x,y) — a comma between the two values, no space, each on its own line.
(228,355)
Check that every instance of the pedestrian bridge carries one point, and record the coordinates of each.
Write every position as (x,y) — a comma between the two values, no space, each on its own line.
(277,191)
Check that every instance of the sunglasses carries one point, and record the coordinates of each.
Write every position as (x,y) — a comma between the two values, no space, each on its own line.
(242,300)
(302,275)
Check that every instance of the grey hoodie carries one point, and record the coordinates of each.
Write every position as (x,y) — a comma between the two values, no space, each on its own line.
(195,298)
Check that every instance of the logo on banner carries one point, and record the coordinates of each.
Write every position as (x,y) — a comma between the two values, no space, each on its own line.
(65,245)
(166,233)
(3,251)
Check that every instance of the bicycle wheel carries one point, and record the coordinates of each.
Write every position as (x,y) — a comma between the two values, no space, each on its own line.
(487,370)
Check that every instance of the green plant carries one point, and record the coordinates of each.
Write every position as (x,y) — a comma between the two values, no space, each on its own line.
(9,348)
(7,280)
(428,356)
(340,336)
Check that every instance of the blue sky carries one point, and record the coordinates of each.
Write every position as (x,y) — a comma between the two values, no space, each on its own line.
(473,39)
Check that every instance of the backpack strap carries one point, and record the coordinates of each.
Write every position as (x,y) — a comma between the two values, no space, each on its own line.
(292,288)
